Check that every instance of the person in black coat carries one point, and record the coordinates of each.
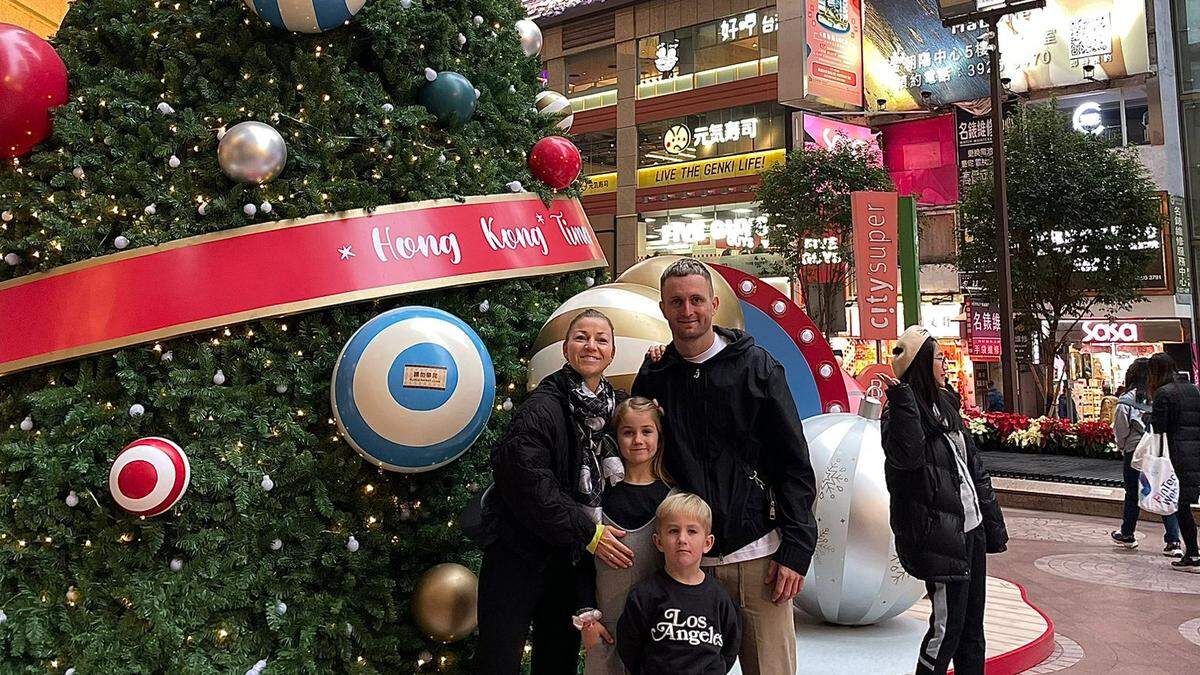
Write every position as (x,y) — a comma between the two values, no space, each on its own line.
(944,513)
(549,472)
(1176,413)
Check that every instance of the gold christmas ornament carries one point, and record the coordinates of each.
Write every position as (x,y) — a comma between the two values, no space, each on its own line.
(637,321)
(445,601)
(555,106)
(649,272)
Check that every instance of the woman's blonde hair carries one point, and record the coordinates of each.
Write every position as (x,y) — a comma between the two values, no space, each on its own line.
(644,405)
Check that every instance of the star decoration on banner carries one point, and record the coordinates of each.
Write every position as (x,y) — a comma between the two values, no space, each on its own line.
(345,252)
(541,220)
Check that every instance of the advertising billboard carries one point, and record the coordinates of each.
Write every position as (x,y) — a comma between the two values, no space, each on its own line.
(907,50)
(828,56)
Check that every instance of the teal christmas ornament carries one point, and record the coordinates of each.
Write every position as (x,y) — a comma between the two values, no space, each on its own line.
(450,97)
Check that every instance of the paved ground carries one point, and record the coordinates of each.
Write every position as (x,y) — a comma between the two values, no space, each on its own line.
(1114,611)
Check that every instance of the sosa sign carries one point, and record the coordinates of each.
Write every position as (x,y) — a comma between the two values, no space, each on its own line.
(1108,333)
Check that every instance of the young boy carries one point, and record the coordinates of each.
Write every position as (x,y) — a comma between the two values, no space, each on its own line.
(680,620)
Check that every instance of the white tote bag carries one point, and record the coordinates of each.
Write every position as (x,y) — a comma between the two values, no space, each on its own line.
(1159,486)
(1150,444)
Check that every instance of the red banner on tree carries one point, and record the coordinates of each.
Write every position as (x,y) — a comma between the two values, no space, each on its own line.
(286,267)
(983,331)
(876,268)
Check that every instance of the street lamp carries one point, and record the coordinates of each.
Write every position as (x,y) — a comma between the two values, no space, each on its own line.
(989,12)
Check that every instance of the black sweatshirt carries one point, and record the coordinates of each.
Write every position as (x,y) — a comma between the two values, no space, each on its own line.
(671,628)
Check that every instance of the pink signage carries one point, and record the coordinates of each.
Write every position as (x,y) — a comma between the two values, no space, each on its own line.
(922,158)
(822,132)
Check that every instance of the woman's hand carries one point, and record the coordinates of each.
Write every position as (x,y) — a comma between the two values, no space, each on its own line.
(655,352)
(595,633)
(610,550)
(888,379)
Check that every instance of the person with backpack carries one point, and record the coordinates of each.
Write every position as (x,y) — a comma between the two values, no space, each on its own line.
(1129,425)
(1176,413)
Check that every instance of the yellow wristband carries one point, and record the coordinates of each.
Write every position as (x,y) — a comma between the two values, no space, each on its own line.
(591,548)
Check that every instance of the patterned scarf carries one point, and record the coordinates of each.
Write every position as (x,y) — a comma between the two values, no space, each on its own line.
(600,463)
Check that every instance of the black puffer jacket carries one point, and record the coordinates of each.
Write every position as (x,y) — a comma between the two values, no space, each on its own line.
(1177,414)
(535,467)
(732,433)
(926,508)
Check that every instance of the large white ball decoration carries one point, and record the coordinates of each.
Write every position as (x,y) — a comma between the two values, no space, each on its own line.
(413,389)
(531,37)
(637,321)
(149,476)
(556,106)
(306,16)
(855,578)
(252,152)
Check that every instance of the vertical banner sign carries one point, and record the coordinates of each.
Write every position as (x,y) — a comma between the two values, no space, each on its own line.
(875,216)
(974,135)
(1183,277)
(833,64)
(983,331)
(910,266)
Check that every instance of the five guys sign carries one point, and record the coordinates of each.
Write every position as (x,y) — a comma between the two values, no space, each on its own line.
(875,216)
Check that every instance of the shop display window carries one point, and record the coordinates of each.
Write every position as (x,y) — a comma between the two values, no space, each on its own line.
(598,150)
(592,78)
(733,48)
(717,133)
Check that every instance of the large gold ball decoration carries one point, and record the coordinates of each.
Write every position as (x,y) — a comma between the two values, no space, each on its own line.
(649,273)
(637,321)
(445,602)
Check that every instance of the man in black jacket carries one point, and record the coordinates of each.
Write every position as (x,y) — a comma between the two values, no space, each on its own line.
(733,436)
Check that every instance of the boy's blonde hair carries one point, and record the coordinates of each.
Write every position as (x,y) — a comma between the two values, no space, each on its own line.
(643,404)
(687,505)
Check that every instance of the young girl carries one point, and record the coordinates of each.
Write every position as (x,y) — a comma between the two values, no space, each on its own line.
(629,506)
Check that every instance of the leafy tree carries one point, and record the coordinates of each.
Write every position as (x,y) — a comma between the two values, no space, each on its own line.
(346,101)
(1076,210)
(807,200)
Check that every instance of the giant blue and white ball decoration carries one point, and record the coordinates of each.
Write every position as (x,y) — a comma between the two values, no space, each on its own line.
(306,16)
(413,389)
(855,578)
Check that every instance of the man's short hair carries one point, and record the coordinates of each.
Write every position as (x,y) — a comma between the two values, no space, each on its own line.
(686,267)
(687,505)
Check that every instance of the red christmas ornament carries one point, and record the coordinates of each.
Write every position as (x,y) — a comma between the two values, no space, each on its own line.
(149,476)
(33,80)
(555,161)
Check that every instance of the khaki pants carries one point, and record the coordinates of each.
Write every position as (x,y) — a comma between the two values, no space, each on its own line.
(768,630)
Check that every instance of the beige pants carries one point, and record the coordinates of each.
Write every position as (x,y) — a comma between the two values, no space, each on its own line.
(768,630)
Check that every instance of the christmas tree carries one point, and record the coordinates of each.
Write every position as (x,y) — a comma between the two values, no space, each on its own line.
(287,546)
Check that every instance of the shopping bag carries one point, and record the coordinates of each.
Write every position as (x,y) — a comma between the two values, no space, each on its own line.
(1159,485)
(1150,444)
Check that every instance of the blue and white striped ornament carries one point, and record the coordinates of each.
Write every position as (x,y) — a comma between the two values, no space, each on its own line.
(306,16)
(413,389)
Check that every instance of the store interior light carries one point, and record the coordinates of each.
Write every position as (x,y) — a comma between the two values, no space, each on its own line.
(743,210)
(692,215)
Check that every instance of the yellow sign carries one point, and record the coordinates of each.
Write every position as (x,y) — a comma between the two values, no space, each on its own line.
(600,184)
(710,169)
(40,16)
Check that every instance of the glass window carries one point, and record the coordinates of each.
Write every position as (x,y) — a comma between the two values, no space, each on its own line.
(733,48)
(1137,122)
(1102,118)
(760,126)
(599,152)
(1191,141)
(708,231)
(1188,23)
(592,71)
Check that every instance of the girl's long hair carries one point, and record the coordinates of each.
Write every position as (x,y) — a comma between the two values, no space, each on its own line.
(1136,379)
(931,394)
(642,404)
(1161,373)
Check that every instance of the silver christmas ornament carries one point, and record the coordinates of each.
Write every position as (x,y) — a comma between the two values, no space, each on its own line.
(507,405)
(462,39)
(406,4)
(168,356)
(281,389)
(219,378)
(72,499)
(267,484)
(202,209)
(150,210)
(27,424)
(7,216)
(352,545)
(388,107)
(173,162)
(531,37)
(430,74)
(590,281)
(249,209)
(3,616)
(137,410)
(77,172)
(265,207)
(176,565)
(276,544)
(855,578)
(165,108)
(121,242)
(280,608)
(478,20)
(12,259)
(252,152)
(485,306)
(515,186)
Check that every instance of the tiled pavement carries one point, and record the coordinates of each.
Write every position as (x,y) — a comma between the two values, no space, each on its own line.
(1115,611)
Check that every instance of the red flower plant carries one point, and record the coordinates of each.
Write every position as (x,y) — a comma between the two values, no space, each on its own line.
(1006,423)
(1094,433)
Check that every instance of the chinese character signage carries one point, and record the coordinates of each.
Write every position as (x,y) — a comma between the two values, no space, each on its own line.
(725,132)
(983,331)
(829,55)
(907,49)
(747,25)
(876,263)
(1177,214)
(974,136)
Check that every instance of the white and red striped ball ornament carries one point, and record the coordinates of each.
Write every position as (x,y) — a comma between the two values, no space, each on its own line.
(149,476)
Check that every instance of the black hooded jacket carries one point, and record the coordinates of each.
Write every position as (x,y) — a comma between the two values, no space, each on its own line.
(926,507)
(1177,414)
(535,468)
(731,434)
